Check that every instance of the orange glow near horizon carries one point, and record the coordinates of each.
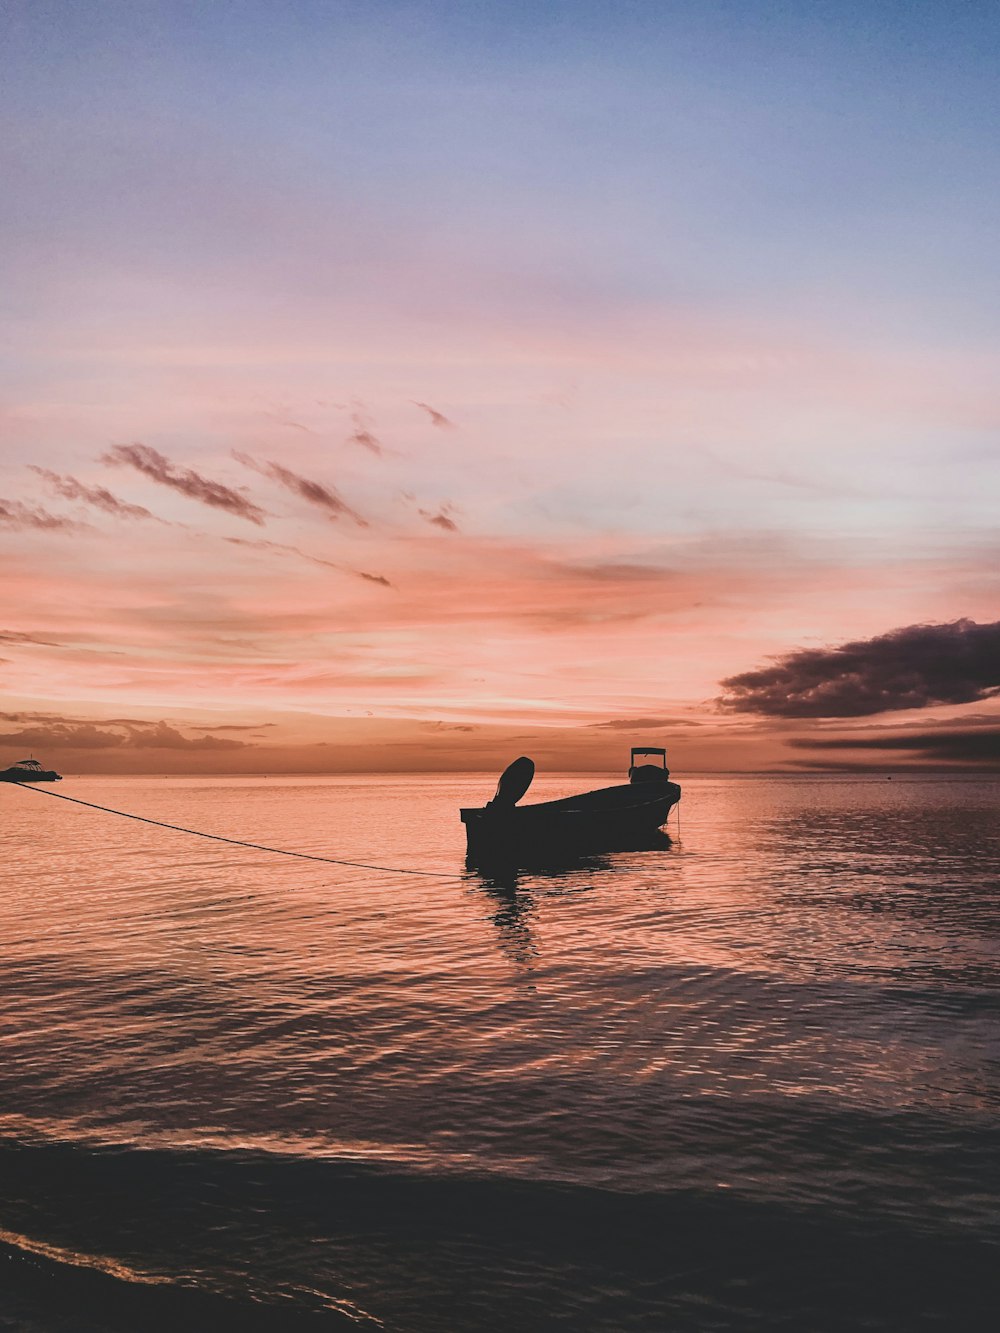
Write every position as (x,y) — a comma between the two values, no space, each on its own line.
(530,586)
(420,440)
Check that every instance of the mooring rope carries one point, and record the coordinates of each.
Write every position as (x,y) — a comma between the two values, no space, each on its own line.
(238,842)
(259,846)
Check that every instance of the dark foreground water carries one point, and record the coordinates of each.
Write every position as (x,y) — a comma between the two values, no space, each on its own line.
(749,1081)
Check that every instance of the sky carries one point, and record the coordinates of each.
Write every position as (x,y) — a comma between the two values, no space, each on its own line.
(393,386)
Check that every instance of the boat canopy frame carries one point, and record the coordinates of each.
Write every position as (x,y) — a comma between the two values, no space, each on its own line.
(648,749)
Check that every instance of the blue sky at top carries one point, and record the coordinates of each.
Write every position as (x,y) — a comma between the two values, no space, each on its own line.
(839,157)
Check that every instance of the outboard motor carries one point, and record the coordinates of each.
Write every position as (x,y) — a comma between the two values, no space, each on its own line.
(514,782)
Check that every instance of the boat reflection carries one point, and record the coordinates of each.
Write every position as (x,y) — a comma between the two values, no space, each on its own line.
(514,886)
(513,910)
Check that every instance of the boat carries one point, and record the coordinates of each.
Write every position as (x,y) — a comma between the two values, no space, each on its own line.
(621,818)
(28,770)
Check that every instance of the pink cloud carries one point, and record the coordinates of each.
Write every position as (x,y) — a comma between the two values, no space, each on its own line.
(437,418)
(316,493)
(96,496)
(18,516)
(364,436)
(152,464)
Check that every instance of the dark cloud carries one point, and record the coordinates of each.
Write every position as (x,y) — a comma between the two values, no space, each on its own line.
(968,745)
(323,497)
(642,723)
(439,520)
(285,549)
(83,737)
(71,489)
(437,418)
(151,463)
(38,717)
(14,514)
(62,720)
(372,578)
(913,667)
(363,435)
(87,736)
(163,737)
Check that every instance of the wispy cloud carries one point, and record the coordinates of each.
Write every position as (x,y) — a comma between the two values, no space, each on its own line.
(731,466)
(437,418)
(239,726)
(638,724)
(287,421)
(315,492)
(97,496)
(364,435)
(284,548)
(619,572)
(151,463)
(441,519)
(912,667)
(12,636)
(14,514)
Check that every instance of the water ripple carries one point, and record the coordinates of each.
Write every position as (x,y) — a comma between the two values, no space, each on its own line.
(791,1012)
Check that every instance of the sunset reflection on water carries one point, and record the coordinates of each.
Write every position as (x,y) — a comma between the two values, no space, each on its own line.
(793,1001)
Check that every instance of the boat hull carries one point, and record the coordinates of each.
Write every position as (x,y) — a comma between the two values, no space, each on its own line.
(17,775)
(618,818)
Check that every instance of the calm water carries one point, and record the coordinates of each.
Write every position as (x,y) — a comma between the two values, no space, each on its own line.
(749,1081)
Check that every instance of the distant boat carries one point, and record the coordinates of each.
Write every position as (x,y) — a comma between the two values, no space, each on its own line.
(28,770)
(620,818)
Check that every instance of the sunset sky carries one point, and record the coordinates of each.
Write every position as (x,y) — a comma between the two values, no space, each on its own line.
(414,385)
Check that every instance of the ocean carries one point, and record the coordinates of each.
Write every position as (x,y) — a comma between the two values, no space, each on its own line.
(746,1081)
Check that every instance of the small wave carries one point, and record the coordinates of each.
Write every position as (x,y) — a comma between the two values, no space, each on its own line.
(208,1240)
(77,1259)
(52,1279)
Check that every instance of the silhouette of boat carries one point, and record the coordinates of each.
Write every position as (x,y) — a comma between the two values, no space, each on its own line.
(621,818)
(28,770)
